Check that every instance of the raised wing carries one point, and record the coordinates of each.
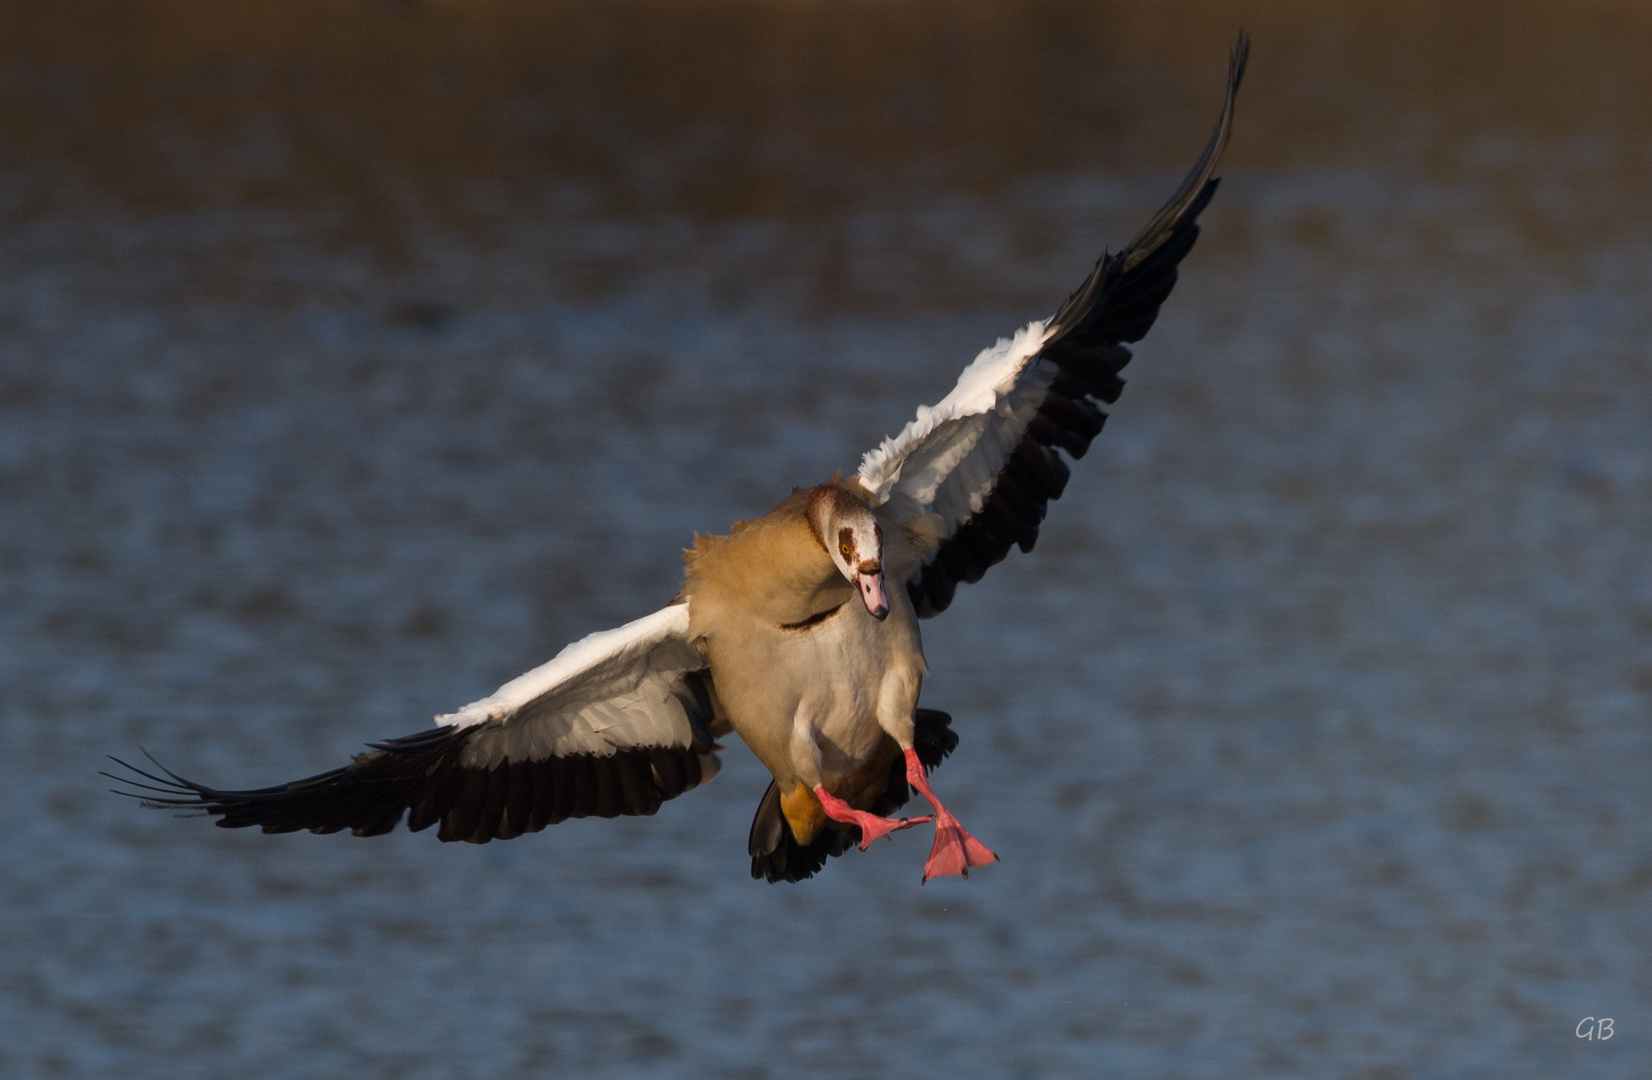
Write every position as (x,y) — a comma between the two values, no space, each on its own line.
(616,724)
(984,460)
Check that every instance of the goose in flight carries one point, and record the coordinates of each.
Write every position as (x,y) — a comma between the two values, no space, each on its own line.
(798,630)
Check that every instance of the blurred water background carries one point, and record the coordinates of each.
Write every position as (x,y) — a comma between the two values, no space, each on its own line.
(355,356)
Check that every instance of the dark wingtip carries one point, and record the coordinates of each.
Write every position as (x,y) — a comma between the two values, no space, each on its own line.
(1189,200)
(170,784)
(1238,59)
(1198,178)
(169,792)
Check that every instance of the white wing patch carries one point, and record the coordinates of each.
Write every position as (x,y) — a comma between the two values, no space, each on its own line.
(948,459)
(612,690)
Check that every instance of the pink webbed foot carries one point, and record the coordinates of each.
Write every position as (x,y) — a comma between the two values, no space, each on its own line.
(955,850)
(872,827)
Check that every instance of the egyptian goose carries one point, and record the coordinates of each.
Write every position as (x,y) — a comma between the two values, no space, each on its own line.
(798,630)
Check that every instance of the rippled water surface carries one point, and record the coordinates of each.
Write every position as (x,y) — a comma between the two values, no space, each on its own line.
(356,356)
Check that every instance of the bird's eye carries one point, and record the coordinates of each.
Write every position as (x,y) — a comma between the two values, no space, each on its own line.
(844,548)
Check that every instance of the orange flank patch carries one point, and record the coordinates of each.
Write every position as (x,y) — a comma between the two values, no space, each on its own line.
(803,812)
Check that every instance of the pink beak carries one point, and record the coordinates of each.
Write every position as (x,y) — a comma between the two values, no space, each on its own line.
(871,593)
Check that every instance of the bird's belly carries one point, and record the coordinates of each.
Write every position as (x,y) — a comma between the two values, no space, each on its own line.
(837,676)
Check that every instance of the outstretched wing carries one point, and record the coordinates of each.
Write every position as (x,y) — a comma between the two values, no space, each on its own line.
(616,724)
(984,460)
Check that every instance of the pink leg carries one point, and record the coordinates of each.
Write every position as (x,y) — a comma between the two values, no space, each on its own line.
(955,850)
(872,827)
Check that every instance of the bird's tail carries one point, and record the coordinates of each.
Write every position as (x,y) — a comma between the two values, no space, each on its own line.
(775,853)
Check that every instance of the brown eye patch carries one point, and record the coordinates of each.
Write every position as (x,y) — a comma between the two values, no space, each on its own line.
(846,544)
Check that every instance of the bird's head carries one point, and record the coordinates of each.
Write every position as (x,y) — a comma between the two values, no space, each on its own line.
(852,538)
